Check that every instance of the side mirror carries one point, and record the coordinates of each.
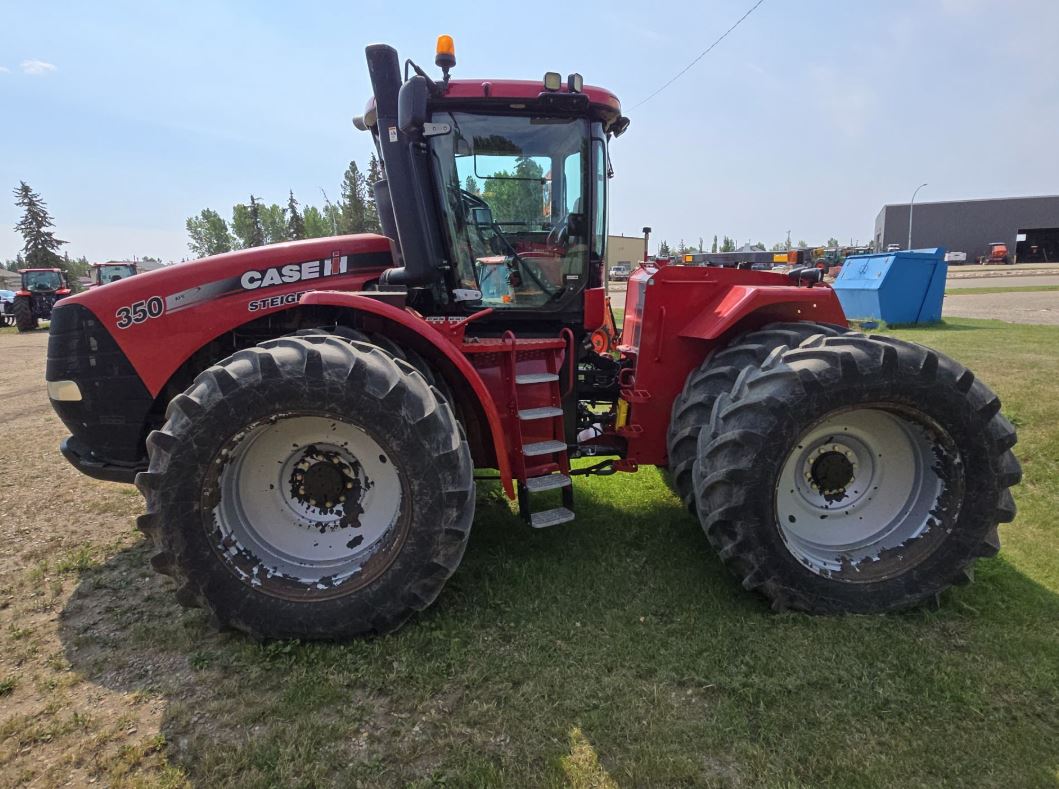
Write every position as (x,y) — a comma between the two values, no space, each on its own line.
(482,217)
(412,106)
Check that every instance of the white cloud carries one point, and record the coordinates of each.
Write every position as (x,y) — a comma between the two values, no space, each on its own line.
(37,68)
(4,70)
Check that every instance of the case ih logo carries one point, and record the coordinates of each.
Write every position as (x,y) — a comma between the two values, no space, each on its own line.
(293,272)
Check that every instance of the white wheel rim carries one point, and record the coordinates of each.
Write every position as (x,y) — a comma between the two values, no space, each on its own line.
(859,490)
(306,499)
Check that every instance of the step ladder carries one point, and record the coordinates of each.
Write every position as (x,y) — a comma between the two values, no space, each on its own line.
(543,462)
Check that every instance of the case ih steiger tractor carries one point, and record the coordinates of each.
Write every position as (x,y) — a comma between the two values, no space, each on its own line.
(35,300)
(304,420)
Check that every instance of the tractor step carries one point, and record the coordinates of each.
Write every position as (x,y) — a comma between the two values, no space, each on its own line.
(536,378)
(543,448)
(546,518)
(547,482)
(547,412)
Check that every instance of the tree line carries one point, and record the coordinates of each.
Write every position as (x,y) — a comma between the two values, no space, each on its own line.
(256,223)
(665,250)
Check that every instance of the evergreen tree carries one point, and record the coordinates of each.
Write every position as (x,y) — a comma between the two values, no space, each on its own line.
(700,243)
(352,216)
(714,248)
(295,222)
(246,224)
(664,250)
(728,245)
(208,234)
(371,211)
(41,247)
(471,185)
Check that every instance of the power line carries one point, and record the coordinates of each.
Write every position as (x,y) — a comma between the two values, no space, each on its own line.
(703,54)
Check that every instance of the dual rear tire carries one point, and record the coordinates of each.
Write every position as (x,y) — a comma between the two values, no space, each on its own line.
(846,473)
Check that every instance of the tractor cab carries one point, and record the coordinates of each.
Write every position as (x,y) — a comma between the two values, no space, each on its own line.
(42,280)
(510,182)
(105,273)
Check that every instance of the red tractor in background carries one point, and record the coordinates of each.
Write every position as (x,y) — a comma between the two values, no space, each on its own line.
(34,301)
(105,273)
(998,254)
(304,420)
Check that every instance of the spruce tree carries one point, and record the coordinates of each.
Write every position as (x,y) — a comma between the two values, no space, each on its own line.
(371,211)
(257,233)
(352,210)
(295,222)
(41,247)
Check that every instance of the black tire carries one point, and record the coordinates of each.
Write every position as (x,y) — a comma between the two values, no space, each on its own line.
(716,376)
(22,311)
(756,429)
(354,387)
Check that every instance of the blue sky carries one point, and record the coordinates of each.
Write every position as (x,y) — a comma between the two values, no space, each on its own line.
(130,116)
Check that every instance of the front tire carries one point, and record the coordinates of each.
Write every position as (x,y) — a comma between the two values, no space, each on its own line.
(309,488)
(855,474)
(22,311)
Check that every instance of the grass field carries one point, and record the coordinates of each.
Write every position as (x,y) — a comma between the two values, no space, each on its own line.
(1000,289)
(615,651)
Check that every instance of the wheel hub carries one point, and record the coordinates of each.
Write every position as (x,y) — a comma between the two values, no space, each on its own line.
(323,479)
(831,469)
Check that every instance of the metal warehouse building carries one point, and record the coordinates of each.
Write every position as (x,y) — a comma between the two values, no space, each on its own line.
(1028,225)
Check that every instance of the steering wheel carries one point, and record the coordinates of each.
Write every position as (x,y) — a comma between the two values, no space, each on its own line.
(560,234)
(518,264)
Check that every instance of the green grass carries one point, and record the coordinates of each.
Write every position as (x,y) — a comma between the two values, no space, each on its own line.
(618,651)
(1010,289)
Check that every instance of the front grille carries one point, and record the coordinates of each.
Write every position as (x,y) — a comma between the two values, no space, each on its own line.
(110,418)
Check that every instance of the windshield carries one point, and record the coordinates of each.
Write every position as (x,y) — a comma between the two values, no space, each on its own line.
(512,194)
(115,272)
(42,280)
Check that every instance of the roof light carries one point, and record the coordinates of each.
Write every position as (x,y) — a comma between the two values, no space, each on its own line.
(575,82)
(553,80)
(445,57)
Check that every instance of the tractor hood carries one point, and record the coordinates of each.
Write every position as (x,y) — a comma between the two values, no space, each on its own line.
(185,305)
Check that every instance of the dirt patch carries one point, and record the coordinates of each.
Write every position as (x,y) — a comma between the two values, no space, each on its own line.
(56,725)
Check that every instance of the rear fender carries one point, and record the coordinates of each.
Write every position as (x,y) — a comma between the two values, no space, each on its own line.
(760,305)
(482,420)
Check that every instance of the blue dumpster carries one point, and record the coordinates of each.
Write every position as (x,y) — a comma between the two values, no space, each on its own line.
(897,287)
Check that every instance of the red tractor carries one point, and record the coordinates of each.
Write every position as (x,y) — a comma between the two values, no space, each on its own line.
(305,420)
(105,273)
(35,300)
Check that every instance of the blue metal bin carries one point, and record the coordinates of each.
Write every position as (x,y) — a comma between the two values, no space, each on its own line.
(897,287)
